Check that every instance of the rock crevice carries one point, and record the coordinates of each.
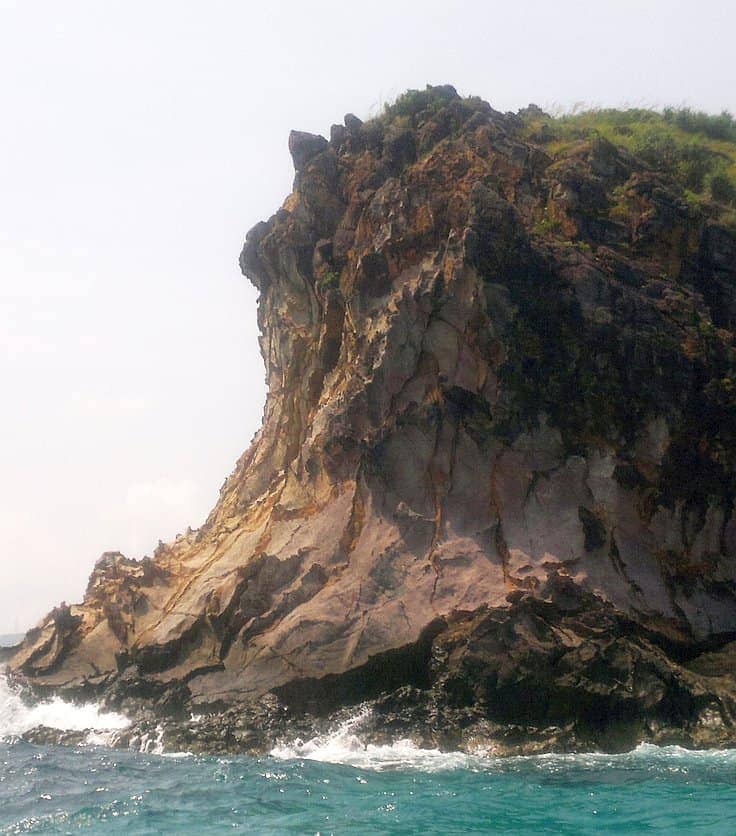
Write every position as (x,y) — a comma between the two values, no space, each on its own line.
(494,486)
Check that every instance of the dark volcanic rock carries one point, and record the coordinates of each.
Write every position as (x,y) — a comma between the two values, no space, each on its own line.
(303,147)
(492,500)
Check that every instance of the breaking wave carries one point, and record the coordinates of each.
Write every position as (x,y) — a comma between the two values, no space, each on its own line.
(16,717)
(344,746)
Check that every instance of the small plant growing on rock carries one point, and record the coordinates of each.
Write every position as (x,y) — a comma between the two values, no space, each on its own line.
(328,280)
(547,226)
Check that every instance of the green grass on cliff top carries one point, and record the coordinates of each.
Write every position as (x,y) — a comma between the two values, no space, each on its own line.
(696,149)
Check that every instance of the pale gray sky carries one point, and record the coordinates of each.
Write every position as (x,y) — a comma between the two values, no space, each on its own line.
(140,140)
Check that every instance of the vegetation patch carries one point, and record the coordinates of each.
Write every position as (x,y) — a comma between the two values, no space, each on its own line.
(696,149)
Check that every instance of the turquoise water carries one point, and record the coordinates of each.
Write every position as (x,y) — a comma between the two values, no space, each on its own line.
(98,790)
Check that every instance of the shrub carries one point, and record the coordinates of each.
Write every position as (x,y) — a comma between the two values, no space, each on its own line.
(695,162)
(722,188)
(697,150)
(722,126)
(415,101)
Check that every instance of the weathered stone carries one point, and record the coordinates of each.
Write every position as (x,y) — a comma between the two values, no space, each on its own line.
(353,123)
(494,490)
(304,146)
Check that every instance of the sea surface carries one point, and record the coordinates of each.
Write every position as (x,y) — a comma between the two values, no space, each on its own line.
(336,784)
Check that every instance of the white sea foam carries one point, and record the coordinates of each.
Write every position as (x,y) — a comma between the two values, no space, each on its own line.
(649,749)
(668,756)
(344,746)
(341,746)
(16,717)
(151,743)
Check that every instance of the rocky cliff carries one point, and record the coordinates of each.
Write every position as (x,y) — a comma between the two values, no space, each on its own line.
(493,493)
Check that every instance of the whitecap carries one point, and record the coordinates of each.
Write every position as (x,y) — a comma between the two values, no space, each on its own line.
(344,746)
(16,717)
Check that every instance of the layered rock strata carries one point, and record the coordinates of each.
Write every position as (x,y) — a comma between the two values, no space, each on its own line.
(493,493)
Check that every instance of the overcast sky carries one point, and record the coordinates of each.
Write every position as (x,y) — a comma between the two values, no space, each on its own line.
(140,140)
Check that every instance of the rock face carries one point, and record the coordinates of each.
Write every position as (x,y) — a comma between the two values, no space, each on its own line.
(494,488)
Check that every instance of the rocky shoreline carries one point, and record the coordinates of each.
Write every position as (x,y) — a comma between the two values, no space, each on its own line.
(566,675)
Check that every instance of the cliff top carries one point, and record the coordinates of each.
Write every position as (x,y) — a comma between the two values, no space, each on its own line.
(696,150)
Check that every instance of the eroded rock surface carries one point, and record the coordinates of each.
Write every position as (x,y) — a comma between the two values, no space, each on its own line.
(494,488)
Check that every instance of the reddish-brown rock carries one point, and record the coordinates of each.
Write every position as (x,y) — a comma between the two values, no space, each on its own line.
(489,394)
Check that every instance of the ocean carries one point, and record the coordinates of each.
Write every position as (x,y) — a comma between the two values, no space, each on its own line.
(336,784)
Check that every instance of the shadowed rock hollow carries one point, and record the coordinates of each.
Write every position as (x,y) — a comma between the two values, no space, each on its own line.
(494,488)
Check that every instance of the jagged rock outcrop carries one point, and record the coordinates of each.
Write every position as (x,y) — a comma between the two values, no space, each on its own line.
(494,487)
